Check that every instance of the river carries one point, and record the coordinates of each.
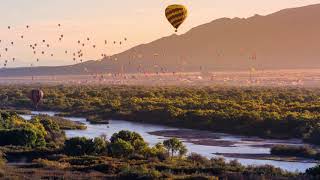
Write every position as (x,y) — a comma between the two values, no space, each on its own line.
(201,142)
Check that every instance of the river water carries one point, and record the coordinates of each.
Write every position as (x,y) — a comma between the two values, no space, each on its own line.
(191,138)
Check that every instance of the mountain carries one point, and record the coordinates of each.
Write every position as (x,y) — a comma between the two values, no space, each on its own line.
(286,39)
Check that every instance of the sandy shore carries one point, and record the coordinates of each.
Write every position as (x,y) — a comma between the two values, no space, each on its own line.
(267,157)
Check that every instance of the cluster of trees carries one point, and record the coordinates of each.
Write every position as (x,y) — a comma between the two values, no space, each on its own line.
(124,144)
(38,132)
(265,112)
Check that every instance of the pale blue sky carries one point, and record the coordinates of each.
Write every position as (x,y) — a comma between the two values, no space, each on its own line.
(140,21)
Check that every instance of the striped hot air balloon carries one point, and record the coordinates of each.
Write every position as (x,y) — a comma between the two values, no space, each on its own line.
(176,15)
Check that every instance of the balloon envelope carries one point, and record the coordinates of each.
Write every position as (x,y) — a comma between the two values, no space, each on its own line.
(176,15)
(36,96)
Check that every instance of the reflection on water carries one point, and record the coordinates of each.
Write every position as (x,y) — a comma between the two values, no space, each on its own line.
(240,144)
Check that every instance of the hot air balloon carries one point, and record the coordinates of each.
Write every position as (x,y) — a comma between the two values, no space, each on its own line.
(27,26)
(21,37)
(176,15)
(94,46)
(36,96)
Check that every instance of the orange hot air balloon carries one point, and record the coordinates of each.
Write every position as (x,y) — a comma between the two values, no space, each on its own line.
(176,15)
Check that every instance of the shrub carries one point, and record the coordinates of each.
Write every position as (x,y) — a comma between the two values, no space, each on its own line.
(299,151)
(18,137)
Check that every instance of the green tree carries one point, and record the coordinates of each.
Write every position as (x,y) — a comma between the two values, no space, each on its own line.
(121,148)
(174,145)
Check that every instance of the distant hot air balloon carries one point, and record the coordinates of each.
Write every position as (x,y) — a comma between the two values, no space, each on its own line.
(176,15)
(36,96)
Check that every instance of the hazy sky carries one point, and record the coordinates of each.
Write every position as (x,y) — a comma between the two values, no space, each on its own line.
(140,21)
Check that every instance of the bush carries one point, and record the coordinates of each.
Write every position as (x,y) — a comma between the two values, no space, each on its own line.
(315,171)
(79,146)
(51,164)
(121,148)
(18,137)
(141,173)
(197,158)
(299,151)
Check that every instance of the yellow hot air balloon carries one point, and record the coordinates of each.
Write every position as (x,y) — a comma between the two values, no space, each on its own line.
(176,15)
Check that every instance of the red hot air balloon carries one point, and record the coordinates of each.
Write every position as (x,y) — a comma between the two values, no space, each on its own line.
(36,96)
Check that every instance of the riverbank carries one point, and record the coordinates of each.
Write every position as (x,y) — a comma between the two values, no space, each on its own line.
(157,133)
(267,157)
